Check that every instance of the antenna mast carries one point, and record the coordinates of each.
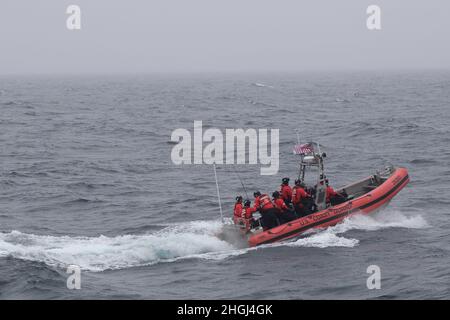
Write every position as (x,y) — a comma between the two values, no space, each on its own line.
(218,193)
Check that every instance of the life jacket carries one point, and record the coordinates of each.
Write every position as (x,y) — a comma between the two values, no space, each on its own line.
(298,193)
(330,193)
(286,192)
(238,210)
(280,204)
(263,202)
(247,212)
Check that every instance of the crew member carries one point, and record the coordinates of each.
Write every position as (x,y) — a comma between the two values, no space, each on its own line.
(332,196)
(284,212)
(268,211)
(243,215)
(286,191)
(237,209)
(247,211)
(298,196)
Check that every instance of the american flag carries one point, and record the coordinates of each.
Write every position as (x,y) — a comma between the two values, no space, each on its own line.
(303,148)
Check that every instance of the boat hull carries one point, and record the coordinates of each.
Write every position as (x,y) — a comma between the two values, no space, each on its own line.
(365,204)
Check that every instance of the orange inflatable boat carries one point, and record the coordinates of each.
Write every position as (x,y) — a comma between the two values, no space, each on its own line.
(361,197)
(366,196)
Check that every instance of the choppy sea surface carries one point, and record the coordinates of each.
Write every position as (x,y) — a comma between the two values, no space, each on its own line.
(86,178)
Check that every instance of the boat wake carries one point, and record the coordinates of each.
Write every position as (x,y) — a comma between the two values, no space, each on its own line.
(334,236)
(194,240)
(104,253)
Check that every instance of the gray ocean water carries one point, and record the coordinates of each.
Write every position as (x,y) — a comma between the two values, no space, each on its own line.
(86,178)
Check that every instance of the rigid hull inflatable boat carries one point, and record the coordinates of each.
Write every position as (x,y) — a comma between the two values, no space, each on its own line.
(368,195)
(362,197)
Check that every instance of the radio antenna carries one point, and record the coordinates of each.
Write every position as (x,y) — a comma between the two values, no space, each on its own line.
(298,135)
(218,193)
(242,183)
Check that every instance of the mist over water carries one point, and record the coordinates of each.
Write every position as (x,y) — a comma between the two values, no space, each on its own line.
(86,178)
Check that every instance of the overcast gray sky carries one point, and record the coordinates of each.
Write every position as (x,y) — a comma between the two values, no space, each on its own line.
(222,35)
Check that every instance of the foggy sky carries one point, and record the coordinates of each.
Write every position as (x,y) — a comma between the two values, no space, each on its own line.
(121,36)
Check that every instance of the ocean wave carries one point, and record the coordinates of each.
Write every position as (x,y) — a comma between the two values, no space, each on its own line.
(262,104)
(423,161)
(193,240)
(261,85)
(106,253)
(82,200)
(387,218)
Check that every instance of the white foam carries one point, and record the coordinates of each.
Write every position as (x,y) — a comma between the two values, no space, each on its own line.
(258,84)
(101,253)
(332,236)
(324,239)
(183,241)
(384,219)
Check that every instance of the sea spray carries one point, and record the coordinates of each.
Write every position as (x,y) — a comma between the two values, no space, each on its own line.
(199,240)
(102,253)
